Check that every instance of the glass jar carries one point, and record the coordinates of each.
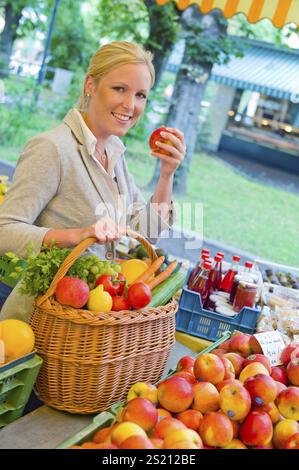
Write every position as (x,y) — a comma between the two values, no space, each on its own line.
(245,296)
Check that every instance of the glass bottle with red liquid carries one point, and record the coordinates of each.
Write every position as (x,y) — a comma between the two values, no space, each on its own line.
(227,281)
(201,282)
(244,276)
(215,274)
(205,254)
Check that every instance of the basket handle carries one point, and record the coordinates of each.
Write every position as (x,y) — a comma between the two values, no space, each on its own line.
(78,250)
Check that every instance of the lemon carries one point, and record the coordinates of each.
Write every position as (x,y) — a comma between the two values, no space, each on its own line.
(132,269)
(99,300)
(18,338)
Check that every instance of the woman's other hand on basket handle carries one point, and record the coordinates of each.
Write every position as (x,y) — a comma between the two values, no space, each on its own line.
(106,230)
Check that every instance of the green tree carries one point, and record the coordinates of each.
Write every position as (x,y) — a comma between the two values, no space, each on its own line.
(72,42)
(163,33)
(206,43)
(122,20)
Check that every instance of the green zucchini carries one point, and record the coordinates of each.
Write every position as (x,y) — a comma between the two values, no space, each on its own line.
(162,294)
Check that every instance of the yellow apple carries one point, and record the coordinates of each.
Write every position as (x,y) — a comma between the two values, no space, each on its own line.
(125,430)
(144,390)
(179,435)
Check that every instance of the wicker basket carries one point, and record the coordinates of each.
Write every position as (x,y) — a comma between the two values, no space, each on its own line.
(91,359)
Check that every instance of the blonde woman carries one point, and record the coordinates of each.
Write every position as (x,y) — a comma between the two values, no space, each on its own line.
(72,182)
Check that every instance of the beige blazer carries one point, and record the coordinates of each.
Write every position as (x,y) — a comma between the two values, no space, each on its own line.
(58,185)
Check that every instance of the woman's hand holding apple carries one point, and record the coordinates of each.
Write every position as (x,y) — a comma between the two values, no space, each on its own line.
(168,144)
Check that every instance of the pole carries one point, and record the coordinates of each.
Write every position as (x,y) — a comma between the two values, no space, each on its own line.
(41,73)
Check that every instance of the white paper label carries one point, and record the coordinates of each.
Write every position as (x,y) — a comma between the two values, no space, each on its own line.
(272,345)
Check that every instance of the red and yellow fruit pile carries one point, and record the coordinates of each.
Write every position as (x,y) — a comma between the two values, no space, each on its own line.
(230,399)
(129,289)
(16,340)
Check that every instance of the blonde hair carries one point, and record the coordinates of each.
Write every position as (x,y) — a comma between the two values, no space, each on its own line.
(111,56)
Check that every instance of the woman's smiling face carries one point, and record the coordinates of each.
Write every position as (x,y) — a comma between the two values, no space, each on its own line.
(117,100)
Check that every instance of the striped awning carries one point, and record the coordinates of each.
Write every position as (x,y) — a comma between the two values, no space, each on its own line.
(280,12)
(264,68)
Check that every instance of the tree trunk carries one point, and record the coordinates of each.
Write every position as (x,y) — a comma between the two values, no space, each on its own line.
(188,92)
(12,16)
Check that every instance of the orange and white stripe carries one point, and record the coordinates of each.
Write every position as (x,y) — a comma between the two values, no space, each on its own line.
(280,12)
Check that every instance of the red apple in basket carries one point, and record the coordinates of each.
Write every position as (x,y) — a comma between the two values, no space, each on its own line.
(140,411)
(175,394)
(72,291)
(139,295)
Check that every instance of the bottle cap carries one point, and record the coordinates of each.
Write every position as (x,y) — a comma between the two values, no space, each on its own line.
(205,256)
(207,264)
(205,250)
(218,258)
(247,285)
(236,258)
(248,264)
(219,253)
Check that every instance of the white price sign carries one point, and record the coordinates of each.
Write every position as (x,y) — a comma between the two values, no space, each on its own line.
(272,345)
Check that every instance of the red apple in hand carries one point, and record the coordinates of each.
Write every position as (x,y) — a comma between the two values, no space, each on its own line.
(156,136)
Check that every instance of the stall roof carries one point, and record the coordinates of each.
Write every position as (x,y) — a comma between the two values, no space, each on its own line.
(280,12)
(264,68)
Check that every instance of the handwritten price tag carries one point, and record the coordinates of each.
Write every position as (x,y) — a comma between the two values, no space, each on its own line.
(272,344)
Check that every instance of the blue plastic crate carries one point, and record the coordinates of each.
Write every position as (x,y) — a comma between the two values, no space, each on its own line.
(193,319)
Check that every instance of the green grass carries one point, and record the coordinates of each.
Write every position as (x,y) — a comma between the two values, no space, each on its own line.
(237,211)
